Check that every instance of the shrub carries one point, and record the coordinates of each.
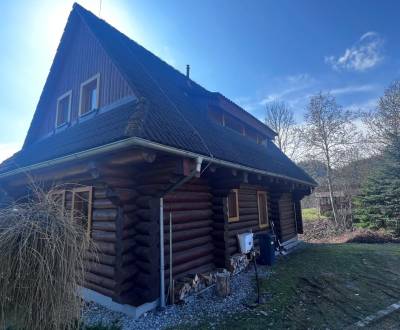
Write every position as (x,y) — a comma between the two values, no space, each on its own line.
(42,265)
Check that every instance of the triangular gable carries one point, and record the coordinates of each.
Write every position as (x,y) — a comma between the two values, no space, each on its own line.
(79,57)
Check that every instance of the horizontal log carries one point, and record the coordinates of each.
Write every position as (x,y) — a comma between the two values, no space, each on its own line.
(105,214)
(191,254)
(133,157)
(191,206)
(103,193)
(191,265)
(104,236)
(105,247)
(126,195)
(104,225)
(183,216)
(119,182)
(186,235)
(152,189)
(100,257)
(247,211)
(179,197)
(129,208)
(100,289)
(197,270)
(103,203)
(185,245)
(187,226)
(100,269)
(100,280)
(193,188)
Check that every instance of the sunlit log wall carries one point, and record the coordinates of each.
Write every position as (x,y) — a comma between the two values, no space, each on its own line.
(126,214)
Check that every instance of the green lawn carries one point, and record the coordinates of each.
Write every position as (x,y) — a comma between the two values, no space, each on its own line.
(325,287)
(311,214)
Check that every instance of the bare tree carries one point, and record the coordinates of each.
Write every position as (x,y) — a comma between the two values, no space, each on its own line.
(383,123)
(280,118)
(329,133)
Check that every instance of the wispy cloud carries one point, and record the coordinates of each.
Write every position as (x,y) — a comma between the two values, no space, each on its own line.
(288,87)
(353,89)
(365,54)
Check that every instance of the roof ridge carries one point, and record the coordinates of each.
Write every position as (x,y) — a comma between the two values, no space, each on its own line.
(82,12)
(86,11)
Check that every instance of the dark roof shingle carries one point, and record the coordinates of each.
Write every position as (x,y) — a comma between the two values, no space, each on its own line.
(173,113)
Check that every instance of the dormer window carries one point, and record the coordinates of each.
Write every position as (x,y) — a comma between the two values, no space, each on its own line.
(89,99)
(63,109)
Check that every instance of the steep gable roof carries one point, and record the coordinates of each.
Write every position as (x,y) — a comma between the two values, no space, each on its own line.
(173,112)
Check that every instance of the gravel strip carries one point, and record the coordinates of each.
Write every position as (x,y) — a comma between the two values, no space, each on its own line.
(196,309)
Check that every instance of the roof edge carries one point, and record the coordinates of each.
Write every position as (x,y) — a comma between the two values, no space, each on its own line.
(139,142)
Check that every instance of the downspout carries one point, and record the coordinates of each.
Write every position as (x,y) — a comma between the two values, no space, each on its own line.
(196,170)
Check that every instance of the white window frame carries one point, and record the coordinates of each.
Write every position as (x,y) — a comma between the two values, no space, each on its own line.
(95,77)
(69,95)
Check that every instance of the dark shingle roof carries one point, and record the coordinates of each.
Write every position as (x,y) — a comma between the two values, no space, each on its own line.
(174,113)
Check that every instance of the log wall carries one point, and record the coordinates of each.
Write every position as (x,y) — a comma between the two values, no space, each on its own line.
(190,210)
(287,220)
(225,232)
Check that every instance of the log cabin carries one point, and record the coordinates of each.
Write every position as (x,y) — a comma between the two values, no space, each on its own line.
(167,172)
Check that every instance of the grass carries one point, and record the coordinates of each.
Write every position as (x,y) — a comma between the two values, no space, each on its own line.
(324,286)
(311,214)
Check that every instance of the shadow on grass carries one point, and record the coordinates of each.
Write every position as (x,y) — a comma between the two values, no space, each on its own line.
(325,286)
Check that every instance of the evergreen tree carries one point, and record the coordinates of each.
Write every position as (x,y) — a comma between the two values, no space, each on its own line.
(379,202)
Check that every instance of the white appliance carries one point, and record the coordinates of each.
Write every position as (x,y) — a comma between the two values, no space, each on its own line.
(246,242)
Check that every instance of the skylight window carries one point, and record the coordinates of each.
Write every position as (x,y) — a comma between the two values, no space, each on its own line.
(89,99)
(63,109)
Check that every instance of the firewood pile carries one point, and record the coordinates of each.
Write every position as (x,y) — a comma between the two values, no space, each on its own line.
(190,284)
(238,263)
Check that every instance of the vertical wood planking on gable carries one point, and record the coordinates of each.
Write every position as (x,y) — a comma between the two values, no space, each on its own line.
(84,58)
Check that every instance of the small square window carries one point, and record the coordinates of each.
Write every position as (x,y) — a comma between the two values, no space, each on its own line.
(233,206)
(63,109)
(262,209)
(89,99)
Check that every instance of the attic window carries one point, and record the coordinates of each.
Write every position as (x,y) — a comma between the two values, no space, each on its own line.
(63,109)
(233,206)
(89,99)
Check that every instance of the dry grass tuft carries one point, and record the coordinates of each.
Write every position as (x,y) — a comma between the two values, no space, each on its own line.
(42,265)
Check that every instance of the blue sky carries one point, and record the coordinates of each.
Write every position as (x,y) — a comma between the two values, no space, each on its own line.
(251,51)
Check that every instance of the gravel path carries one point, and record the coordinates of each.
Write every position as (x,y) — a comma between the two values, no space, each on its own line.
(197,308)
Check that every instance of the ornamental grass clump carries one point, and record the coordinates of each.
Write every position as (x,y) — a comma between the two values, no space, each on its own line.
(41,265)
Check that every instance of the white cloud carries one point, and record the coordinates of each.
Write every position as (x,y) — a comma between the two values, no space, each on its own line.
(365,54)
(8,149)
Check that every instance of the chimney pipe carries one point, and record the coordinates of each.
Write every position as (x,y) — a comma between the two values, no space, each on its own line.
(188,71)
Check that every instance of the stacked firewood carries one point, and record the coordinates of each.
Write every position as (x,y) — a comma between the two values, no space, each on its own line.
(238,263)
(191,284)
